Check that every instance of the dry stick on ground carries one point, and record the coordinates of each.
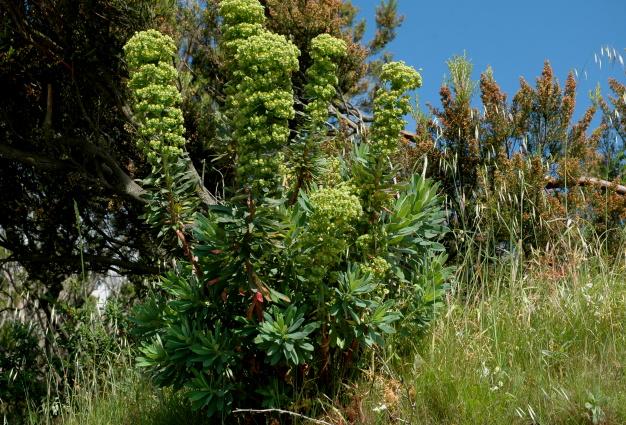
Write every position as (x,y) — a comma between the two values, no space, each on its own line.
(286,412)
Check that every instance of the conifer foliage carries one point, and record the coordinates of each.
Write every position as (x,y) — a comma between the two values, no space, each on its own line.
(295,276)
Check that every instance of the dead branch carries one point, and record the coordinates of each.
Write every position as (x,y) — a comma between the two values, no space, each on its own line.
(556,183)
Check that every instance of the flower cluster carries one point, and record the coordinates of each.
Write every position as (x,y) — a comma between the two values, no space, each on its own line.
(322,76)
(260,98)
(377,266)
(334,211)
(331,175)
(156,98)
(391,104)
(242,19)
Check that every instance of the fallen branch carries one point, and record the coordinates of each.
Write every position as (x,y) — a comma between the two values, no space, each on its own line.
(286,412)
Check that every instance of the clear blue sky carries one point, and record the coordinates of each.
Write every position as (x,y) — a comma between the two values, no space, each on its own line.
(513,36)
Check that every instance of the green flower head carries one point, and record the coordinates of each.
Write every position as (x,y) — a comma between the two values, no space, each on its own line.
(155,97)
(391,105)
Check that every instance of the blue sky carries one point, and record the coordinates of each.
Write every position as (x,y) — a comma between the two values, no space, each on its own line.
(513,36)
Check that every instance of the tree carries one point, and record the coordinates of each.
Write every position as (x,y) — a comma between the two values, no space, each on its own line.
(613,142)
(64,140)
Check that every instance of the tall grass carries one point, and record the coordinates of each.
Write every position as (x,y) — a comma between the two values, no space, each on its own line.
(108,389)
(544,343)
(547,347)
(118,396)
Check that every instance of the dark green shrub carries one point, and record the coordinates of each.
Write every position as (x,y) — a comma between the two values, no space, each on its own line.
(22,370)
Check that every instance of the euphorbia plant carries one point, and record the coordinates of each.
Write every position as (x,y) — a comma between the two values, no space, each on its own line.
(293,271)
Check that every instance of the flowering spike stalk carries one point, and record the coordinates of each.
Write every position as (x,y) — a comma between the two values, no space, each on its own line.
(390,106)
(156,99)
(322,77)
(242,19)
(260,94)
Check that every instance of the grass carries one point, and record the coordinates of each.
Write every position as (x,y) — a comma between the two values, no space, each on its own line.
(534,344)
(116,395)
(543,348)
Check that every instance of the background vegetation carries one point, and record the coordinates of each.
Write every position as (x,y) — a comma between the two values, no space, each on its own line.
(529,328)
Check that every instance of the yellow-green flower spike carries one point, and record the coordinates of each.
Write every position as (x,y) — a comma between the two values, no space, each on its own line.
(322,76)
(259,95)
(242,19)
(156,99)
(390,105)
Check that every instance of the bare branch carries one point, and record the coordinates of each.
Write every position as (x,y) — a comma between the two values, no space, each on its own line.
(553,183)
(47,121)
(202,192)
(120,181)
(93,260)
(35,160)
(346,119)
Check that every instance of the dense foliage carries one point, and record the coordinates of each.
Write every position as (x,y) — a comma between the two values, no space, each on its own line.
(68,132)
(25,380)
(290,297)
(63,121)
(254,154)
(517,175)
(71,148)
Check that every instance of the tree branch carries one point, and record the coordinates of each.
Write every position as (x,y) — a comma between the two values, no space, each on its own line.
(554,183)
(93,260)
(345,118)
(46,163)
(203,193)
(122,183)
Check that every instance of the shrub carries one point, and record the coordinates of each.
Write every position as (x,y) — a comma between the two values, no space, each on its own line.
(22,372)
(520,173)
(290,282)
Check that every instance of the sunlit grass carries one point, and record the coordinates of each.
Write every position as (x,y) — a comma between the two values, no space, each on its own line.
(550,348)
(117,395)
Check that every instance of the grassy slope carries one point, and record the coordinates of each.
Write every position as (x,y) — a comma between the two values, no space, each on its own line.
(542,348)
(548,348)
